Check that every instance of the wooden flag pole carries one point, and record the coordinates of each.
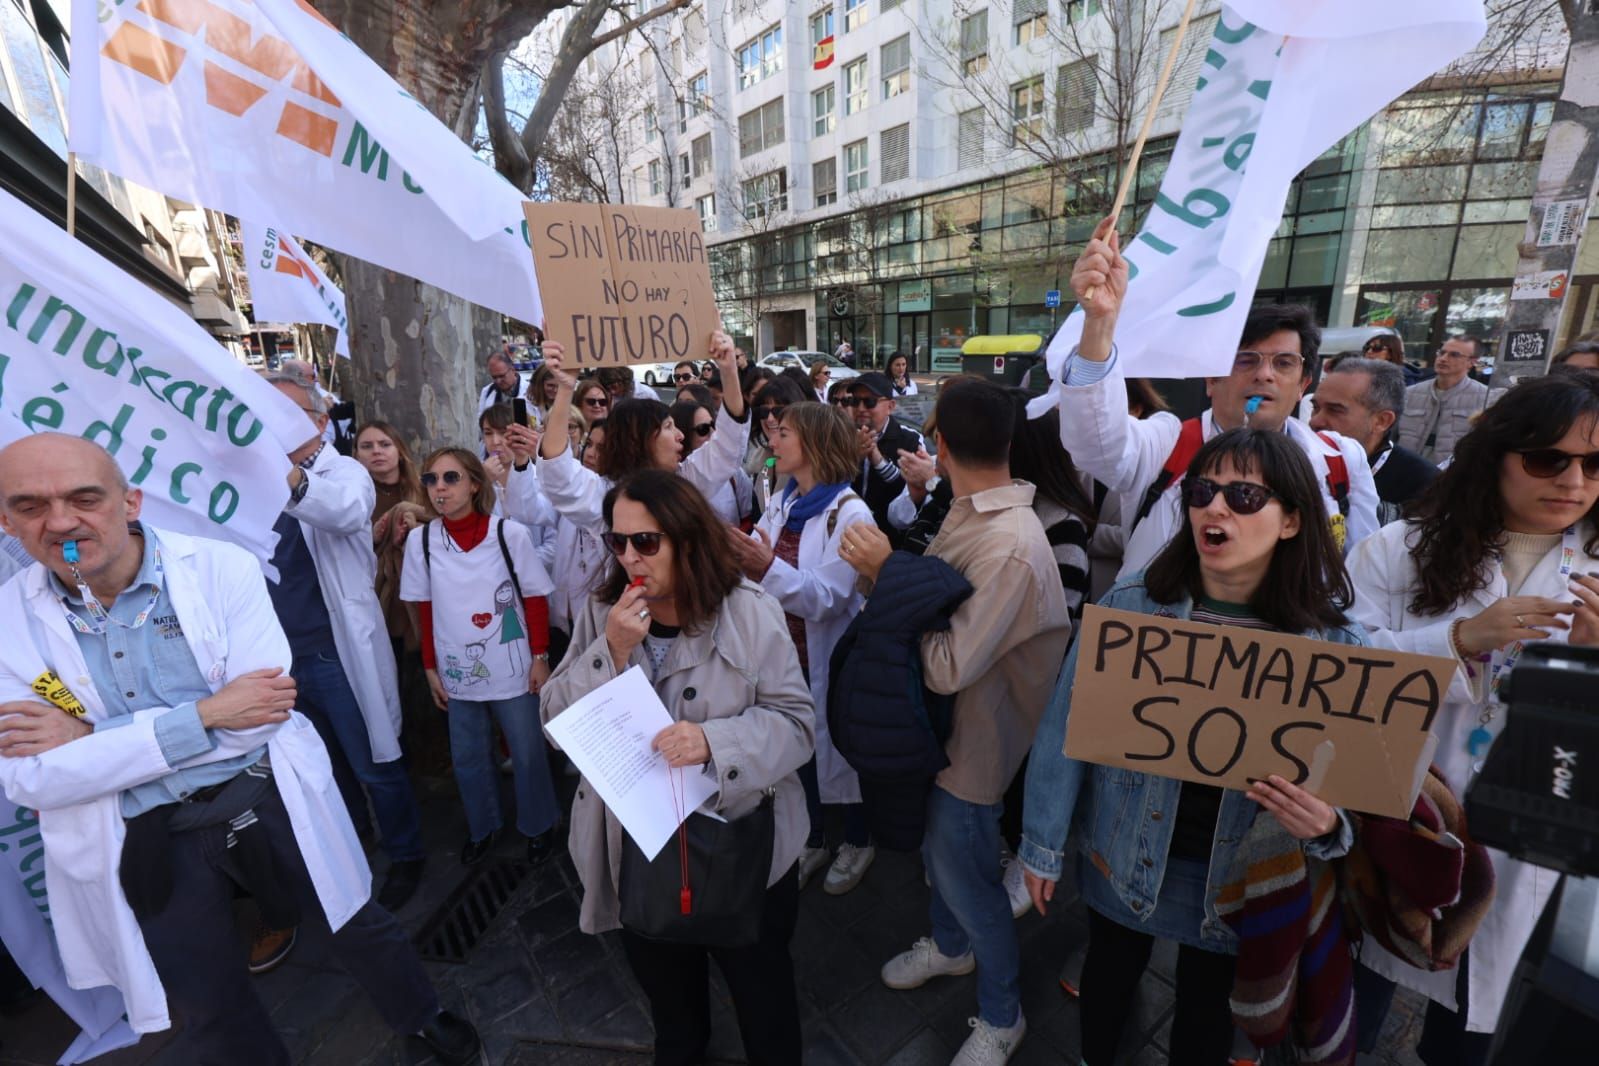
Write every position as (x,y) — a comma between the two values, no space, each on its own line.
(72,194)
(1149,120)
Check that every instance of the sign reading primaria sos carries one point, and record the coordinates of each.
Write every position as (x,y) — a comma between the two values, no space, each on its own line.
(623,285)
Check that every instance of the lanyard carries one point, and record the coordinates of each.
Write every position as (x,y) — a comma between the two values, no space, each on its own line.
(1502,661)
(100,619)
(1382,460)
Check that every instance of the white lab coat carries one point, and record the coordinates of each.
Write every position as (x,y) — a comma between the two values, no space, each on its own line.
(1384,573)
(219,596)
(335,517)
(821,590)
(1126,454)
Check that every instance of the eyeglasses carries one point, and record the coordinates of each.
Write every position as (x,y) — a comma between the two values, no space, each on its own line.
(1282,363)
(450,477)
(1552,462)
(868,402)
(704,429)
(643,543)
(1243,497)
(773,410)
(596,401)
(682,377)
(1375,346)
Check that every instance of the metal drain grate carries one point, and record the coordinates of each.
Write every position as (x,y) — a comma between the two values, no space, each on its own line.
(452,931)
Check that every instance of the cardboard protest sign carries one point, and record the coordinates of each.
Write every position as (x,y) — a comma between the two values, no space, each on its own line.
(621,284)
(1223,705)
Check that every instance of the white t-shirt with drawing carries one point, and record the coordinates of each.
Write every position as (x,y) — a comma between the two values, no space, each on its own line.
(480,634)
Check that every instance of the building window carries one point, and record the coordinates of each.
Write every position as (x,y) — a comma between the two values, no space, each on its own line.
(761,57)
(635,182)
(699,92)
(824,178)
(974,44)
(655,177)
(766,194)
(889,5)
(855,164)
(1026,112)
(896,66)
(649,124)
(821,26)
(855,13)
(700,156)
(1032,20)
(824,112)
(894,154)
(682,169)
(969,139)
(1075,87)
(760,129)
(1077,10)
(682,115)
(707,209)
(855,87)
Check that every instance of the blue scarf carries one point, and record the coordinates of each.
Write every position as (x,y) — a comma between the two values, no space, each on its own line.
(810,504)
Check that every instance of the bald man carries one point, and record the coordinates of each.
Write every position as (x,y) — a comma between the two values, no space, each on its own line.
(169,766)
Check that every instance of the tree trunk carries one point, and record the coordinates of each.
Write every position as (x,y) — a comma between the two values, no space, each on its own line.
(416,351)
(1565,188)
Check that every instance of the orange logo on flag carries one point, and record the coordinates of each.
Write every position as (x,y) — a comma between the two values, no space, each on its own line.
(225,34)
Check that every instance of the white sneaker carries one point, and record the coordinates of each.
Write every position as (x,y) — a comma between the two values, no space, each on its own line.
(922,963)
(1015,884)
(811,860)
(989,1045)
(848,868)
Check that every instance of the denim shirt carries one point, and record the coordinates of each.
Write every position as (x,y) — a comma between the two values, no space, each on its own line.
(151,665)
(1125,819)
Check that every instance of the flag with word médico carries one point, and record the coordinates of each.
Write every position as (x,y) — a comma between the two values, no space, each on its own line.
(87,350)
(1281,82)
(286,285)
(262,109)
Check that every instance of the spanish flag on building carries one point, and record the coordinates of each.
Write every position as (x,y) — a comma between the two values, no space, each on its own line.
(822,54)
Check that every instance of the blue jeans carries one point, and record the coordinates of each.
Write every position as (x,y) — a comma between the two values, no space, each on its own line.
(969,908)
(325,697)
(477,764)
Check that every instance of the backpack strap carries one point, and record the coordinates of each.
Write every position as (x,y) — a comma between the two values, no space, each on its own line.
(427,554)
(505,554)
(1188,444)
(832,513)
(1337,474)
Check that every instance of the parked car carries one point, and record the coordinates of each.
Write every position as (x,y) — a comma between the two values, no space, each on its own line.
(655,374)
(779,361)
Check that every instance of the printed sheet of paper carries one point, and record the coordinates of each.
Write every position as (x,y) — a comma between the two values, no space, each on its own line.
(607,734)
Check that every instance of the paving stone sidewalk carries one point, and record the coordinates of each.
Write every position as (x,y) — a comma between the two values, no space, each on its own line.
(543,993)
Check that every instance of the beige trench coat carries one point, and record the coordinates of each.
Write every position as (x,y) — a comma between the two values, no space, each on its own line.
(740,680)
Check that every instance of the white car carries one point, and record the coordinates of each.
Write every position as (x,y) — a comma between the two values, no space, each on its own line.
(780,361)
(653,374)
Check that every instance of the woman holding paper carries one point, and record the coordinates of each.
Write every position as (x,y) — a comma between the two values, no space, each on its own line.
(794,555)
(718,654)
(1503,550)
(1159,858)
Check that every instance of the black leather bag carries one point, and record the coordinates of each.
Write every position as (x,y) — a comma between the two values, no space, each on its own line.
(724,866)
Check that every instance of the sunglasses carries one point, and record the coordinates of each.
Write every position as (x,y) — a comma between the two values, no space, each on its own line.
(1243,497)
(770,410)
(1282,363)
(449,477)
(683,377)
(868,402)
(643,543)
(1375,346)
(596,401)
(1552,462)
(704,429)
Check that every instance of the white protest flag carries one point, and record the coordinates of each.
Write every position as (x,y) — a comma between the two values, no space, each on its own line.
(28,935)
(87,350)
(286,285)
(262,109)
(1281,82)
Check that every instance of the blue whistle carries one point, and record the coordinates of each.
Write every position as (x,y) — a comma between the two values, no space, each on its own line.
(1253,405)
(69,551)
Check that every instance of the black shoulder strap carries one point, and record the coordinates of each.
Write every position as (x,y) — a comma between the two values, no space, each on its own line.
(427,553)
(505,553)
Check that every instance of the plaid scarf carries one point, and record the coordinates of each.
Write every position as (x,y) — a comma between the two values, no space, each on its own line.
(1294,979)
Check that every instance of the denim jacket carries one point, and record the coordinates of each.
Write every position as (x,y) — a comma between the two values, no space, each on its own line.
(1124,819)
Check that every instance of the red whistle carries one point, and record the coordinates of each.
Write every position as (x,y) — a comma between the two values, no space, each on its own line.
(636,583)
(685,900)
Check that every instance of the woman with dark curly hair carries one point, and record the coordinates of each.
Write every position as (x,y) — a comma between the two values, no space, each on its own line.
(1499,553)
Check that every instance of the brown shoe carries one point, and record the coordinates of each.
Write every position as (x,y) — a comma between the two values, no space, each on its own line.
(270,947)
